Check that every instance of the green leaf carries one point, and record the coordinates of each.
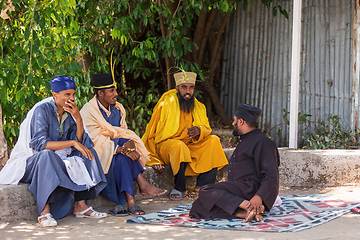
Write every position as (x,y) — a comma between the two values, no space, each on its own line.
(36,17)
(58,54)
(74,25)
(27,34)
(115,33)
(225,6)
(19,95)
(149,43)
(274,11)
(30,78)
(123,39)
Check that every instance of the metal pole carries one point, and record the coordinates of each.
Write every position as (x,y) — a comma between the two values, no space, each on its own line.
(356,62)
(295,74)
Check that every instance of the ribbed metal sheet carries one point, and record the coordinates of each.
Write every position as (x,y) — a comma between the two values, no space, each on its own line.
(257,63)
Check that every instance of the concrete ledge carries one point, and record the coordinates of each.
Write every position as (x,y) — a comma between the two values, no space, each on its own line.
(298,168)
(17,202)
(319,168)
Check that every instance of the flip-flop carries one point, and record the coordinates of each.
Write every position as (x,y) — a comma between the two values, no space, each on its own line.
(176,192)
(119,211)
(136,208)
(355,210)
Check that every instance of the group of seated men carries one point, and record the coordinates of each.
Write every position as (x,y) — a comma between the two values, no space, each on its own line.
(68,156)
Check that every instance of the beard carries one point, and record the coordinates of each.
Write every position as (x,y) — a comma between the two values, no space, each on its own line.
(186,105)
(236,131)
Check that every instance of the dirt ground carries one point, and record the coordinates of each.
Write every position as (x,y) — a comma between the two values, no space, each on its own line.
(70,227)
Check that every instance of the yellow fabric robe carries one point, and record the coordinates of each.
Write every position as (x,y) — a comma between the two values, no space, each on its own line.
(166,124)
(101,132)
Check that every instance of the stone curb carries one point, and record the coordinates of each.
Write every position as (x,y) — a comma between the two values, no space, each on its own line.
(298,168)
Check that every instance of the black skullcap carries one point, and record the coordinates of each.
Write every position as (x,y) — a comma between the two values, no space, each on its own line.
(247,112)
(103,81)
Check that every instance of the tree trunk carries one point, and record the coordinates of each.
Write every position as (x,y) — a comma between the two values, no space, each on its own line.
(204,40)
(199,32)
(3,144)
(216,101)
(84,60)
(201,38)
(167,60)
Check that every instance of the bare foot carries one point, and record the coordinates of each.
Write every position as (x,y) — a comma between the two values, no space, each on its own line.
(131,203)
(152,190)
(258,217)
(147,189)
(197,188)
(81,206)
(251,215)
(137,211)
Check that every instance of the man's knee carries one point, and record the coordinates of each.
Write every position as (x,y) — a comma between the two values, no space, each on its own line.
(214,139)
(46,154)
(45,157)
(178,146)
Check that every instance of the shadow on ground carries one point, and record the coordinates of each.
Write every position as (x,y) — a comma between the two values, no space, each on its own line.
(345,227)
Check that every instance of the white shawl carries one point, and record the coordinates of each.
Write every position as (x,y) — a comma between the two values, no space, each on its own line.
(14,168)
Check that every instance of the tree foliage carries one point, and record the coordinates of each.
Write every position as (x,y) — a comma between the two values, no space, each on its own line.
(42,39)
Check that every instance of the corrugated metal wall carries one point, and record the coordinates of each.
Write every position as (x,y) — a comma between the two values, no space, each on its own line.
(257,63)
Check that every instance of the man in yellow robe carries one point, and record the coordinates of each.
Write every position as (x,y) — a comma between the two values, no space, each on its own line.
(178,135)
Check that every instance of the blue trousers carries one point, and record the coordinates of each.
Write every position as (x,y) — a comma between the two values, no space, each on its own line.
(121,176)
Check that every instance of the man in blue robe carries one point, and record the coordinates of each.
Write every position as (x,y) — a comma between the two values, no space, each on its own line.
(62,170)
(121,151)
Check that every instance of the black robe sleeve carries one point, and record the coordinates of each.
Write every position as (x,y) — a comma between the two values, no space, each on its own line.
(266,159)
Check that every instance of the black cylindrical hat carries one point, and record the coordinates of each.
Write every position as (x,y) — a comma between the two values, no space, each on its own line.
(247,112)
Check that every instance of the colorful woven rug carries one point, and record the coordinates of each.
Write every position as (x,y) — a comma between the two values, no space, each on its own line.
(297,212)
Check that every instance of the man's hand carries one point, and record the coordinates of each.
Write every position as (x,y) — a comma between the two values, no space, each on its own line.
(129,146)
(256,205)
(73,109)
(193,132)
(129,150)
(159,168)
(134,155)
(84,150)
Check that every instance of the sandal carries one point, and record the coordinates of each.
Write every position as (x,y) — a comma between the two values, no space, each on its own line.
(176,192)
(48,222)
(94,214)
(119,211)
(136,208)
(355,210)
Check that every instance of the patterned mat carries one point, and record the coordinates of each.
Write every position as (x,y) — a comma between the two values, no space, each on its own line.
(297,212)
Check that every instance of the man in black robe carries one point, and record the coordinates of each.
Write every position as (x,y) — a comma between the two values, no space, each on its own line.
(253,177)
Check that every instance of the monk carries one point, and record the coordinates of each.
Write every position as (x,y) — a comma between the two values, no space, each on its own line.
(253,177)
(178,135)
(121,151)
(54,156)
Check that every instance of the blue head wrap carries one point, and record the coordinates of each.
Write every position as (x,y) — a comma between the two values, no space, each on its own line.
(61,83)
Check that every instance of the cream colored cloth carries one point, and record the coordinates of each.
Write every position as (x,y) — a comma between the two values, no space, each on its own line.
(101,132)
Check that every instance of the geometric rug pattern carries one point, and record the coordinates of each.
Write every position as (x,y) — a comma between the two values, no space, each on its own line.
(297,212)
